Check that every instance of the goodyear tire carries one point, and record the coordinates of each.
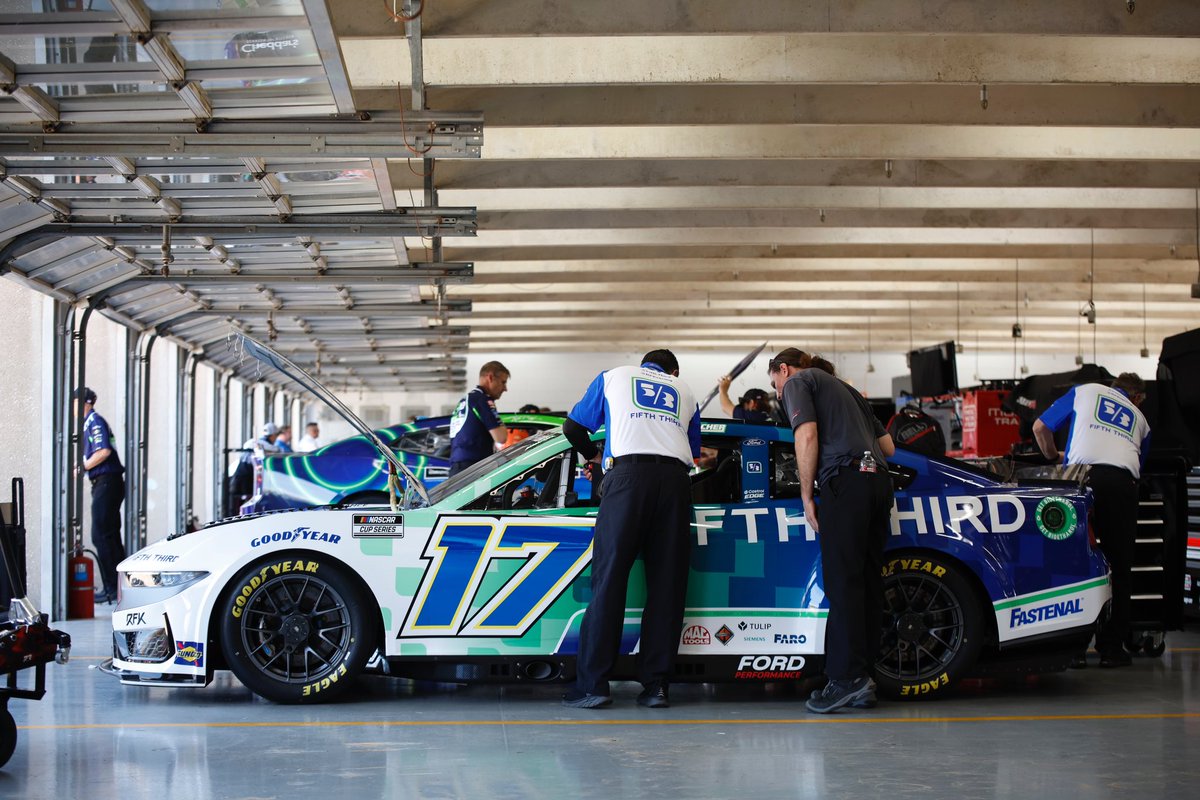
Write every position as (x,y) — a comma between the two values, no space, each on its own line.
(8,735)
(933,627)
(295,628)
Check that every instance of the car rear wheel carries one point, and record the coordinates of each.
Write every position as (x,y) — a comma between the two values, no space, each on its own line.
(933,627)
(296,629)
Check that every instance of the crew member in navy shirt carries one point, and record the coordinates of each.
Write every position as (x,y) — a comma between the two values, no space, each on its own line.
(1109,433)
(754,406)
(652,437)
(104,470)
(475,428)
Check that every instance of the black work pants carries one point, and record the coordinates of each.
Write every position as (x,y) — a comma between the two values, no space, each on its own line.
(1115,498)
(854,517)
(108,493)
(647,509)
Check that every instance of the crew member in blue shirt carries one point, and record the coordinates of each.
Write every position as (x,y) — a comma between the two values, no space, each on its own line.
(652,438)
(754,406)
(104,470)
(475,428)
(1109,433)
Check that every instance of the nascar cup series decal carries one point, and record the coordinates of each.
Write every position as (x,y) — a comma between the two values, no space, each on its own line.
(391,525)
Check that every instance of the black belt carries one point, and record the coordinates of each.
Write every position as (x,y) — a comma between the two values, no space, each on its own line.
(647,458)
(99,478)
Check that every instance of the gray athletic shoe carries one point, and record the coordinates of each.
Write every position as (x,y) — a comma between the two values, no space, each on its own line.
(838,694)
(574,698)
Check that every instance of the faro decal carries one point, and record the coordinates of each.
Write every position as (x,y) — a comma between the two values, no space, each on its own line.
(1056,518)
(271,570)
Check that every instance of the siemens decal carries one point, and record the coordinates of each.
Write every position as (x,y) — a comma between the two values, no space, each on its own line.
(950,516)
(1044,613)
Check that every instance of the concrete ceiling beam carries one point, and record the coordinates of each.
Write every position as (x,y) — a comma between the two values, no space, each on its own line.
(778,58)
(472,18)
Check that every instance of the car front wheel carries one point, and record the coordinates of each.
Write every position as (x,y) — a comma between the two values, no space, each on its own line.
(933,627)
(295,628)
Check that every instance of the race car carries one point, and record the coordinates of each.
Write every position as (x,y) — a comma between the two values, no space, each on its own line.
(475,581)
(351,471)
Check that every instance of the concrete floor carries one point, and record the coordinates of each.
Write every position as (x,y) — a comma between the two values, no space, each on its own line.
(1095,734)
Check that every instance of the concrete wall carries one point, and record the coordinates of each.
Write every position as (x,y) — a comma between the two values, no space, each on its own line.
(23,426)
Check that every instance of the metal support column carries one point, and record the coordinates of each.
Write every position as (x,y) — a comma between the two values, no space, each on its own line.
(185,432)
(220,442)
(133,395)
(143,440)
(79,345)
(62,468)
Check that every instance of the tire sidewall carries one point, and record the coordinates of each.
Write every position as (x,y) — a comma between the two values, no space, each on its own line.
(931,567)
(326,686)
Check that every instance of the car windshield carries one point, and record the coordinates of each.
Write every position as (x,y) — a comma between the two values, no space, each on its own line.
(481,468)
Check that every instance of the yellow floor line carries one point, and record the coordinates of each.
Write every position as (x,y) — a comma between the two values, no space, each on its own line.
(446,723)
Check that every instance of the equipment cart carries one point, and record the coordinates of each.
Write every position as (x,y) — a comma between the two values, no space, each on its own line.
(26,640)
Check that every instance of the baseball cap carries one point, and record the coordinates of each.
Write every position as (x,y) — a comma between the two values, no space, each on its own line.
(270,429)
(87,394)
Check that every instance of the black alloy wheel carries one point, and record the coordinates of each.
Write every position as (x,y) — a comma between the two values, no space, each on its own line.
(932,627)
(296,634)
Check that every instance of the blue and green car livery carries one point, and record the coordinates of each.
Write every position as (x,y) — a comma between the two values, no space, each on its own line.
(352,470)
(487,577)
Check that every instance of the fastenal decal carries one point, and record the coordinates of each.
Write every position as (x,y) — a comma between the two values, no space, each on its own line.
(391,525)
(189,654)
(769,668)
(1036,614)
(298,535)
(696,634)
(1068,608)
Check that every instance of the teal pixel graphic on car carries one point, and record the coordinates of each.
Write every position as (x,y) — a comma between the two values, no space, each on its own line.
(486,576)
(352,471)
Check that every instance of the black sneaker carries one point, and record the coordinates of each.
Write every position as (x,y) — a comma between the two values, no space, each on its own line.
(1078,662)
(1115,658)
(575,698)
(654,697)
(838,694)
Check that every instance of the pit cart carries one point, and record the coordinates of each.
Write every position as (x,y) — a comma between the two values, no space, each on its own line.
(26,640)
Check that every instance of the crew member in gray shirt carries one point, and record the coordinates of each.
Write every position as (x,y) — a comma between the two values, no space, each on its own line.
(841,446)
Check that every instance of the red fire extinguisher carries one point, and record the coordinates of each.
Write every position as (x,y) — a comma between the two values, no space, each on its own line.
(81,602)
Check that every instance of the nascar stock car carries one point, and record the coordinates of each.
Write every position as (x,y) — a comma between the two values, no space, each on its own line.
(475,581)
(351,470)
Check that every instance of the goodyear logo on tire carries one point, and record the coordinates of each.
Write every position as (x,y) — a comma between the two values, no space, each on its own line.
(1056,518)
